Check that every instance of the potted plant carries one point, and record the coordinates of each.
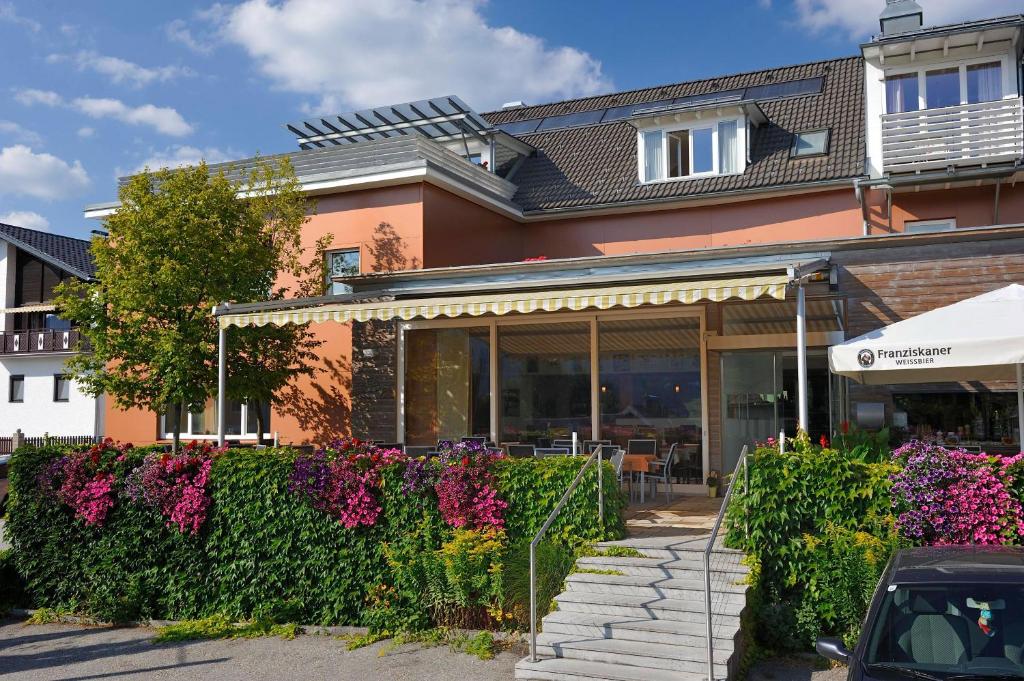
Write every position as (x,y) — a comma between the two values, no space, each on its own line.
(713,482)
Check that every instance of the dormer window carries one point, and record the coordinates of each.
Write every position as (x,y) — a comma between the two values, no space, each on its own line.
(692,149)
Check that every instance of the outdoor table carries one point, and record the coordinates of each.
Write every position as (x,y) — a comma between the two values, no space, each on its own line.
(638,463)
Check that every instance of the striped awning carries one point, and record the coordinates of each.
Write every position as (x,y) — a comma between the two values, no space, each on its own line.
(525,302)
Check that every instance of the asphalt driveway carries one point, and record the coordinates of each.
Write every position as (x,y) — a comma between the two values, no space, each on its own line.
(66,653)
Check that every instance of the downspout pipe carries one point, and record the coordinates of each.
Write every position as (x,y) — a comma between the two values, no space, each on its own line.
(858,193)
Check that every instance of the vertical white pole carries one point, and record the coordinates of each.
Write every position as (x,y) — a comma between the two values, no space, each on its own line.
(801,357)
(575,443)
(1020,405)
(222,375)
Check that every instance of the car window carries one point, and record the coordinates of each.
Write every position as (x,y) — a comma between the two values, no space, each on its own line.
(945,630)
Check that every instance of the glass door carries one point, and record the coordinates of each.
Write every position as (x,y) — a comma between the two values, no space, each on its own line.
(750,384)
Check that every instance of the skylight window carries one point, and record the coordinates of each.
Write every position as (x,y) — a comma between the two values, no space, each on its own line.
(809,143)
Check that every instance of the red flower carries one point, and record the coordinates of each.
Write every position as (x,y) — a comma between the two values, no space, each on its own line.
(465,461)
(823,441)
(844,427)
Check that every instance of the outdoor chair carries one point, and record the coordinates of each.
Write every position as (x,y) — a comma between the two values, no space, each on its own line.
(418,450)
(481,439)
(687,465)
(590,445)
(567,444)
(642,447)
(659,471)
(544,452)
(521,451)
(616,459)
(389,445)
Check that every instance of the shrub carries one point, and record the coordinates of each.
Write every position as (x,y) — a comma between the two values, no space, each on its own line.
(554,563)
(464,579)
(12,586)
(263,547)
(949,496)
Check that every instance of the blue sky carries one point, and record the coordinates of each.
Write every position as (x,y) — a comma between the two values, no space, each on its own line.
(95,90)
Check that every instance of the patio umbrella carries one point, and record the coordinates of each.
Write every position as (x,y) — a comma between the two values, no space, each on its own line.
(978,339)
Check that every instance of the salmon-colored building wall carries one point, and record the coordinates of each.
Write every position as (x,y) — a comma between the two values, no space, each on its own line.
(460,232)
(821,215)
(969,206)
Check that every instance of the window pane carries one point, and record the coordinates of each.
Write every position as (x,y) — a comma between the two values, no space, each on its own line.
(679,153)
(653,162)
(61,389)
(984,82)
(233,419)
(545,382)
(703,150)
(205,421)
(920,226)
(943,87)
(728,153)
(447,385)
(251,425)
(342,264)
(17,388)
(901,93)
(167,421)
(650,381)
(810,143)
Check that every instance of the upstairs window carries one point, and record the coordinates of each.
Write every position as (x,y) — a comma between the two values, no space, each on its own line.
(935,88)
(810,143)
(343,263)
(691,151)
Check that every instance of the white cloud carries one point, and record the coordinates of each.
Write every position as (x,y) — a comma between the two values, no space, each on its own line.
(370,54)
(859,19)
(20,133)
(86,132)
(179,32)
(27,219)
(162,119)
(31,96)
(9,14)
(120,70)
(44,176)
(183,155)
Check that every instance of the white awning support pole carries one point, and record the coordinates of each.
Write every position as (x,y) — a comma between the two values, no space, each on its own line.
(1020,405)
(222,379)
(801,357)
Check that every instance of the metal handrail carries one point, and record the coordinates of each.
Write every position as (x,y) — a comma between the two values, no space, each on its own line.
(597,456)
(742,461)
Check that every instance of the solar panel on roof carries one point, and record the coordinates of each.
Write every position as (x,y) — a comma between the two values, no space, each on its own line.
(521,127)
(618,113)
(792,88)
(569,120)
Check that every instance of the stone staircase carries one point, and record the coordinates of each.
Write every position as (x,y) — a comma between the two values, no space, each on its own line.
(642,619)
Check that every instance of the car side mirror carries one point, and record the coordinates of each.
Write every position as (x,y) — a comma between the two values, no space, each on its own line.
(832,649)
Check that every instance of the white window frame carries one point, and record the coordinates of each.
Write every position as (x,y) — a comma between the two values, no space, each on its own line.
(824,152)
(929,226)
(332,287)
(698,124)
(1007,71)
(166,434)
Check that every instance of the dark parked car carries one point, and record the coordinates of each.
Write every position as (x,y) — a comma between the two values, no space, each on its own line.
(942,614)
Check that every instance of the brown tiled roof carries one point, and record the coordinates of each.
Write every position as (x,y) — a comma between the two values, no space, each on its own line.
(597,164)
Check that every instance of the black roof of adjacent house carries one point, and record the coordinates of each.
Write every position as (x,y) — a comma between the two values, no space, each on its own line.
(595,165)
(65,252)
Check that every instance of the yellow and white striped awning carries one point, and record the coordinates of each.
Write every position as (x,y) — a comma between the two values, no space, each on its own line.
(43,307)
(525,302)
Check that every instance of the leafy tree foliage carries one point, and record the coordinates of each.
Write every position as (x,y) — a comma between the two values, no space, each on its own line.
(181,242)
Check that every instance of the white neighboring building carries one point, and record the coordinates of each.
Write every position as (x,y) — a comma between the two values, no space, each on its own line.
(34,342)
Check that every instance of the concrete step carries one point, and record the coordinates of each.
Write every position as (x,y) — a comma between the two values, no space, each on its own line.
(691,567)
(723,590)
(682,549)
(595,625)
(560,669)
(726,614)
(630,653)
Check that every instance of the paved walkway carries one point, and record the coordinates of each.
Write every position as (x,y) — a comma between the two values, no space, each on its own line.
(68,652)
(684,515)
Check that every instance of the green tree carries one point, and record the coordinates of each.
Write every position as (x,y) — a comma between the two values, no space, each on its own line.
(262,360)
(180,242)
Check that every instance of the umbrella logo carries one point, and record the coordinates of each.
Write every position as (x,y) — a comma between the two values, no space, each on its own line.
(866,358)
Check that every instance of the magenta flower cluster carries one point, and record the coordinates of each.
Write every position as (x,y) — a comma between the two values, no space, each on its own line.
(175,485)
(466,492)
(950,496)
(344,480)
(83,481)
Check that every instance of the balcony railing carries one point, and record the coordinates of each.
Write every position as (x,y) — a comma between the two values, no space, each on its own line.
(964,135)
(40,341)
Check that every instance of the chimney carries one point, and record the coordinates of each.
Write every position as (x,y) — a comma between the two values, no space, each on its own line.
(900,16)
(518,104)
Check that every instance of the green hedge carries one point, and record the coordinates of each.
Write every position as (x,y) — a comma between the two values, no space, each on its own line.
(264,550)
(817,525)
